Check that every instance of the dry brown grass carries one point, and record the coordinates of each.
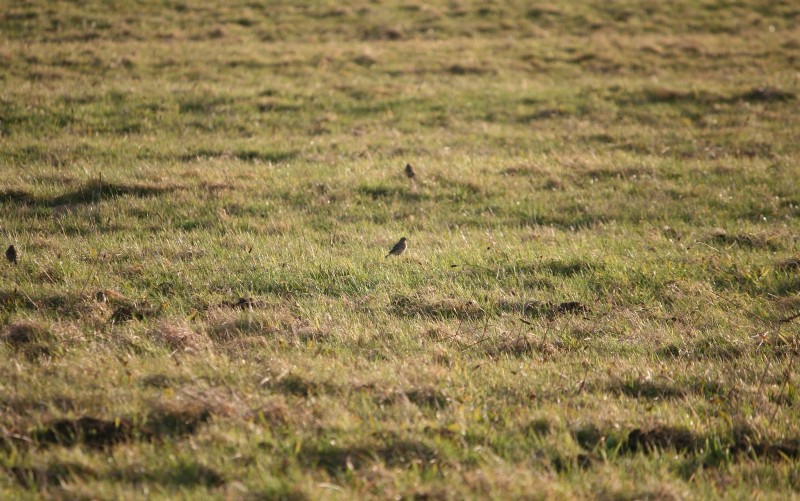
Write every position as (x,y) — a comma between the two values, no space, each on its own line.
(178,335)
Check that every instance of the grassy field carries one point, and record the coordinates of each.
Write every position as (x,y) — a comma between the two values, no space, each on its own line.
(598,298)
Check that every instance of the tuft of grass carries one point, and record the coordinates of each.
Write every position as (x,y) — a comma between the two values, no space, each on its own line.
(32,339)
(178,336)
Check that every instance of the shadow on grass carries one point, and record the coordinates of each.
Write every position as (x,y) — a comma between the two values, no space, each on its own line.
(705,98)
(90,431)
(91,192)
(405,306)
(294,384)
(744,240)
(713,348)
(53,474)
(756,282)
(59,473)
(273,157)
(101,433)
(567,218)
(336,459)
(540,309)
(185,473)
(712,450)
(384,191)
(32,340)
(570,267)
(667,390)
(421,397)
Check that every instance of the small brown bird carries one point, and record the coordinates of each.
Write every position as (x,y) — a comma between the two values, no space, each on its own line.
(11,254)
(410,172)
(399,248)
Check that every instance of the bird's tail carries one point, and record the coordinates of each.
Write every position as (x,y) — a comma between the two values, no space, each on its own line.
(387,255)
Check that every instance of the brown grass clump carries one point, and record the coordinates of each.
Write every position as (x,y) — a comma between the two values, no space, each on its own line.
(32,339)
(245,345)
(111,296)
(26,332)
(238,330)
(194,405)
(440,356)
(179,336)
(274,412)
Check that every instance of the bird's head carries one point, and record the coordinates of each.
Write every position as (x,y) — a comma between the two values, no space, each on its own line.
(403,239)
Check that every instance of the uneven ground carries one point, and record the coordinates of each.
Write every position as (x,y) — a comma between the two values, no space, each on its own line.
(597,299)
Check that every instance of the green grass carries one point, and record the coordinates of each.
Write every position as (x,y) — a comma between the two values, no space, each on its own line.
(597,300)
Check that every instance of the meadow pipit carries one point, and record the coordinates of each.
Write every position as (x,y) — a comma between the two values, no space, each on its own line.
(399,248)
(11,254)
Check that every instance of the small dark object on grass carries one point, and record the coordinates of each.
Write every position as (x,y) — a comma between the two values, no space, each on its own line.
(768,95)
(571,307)
(663,437)
(11,254)
(410,172)
(125,313)
(399,248)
